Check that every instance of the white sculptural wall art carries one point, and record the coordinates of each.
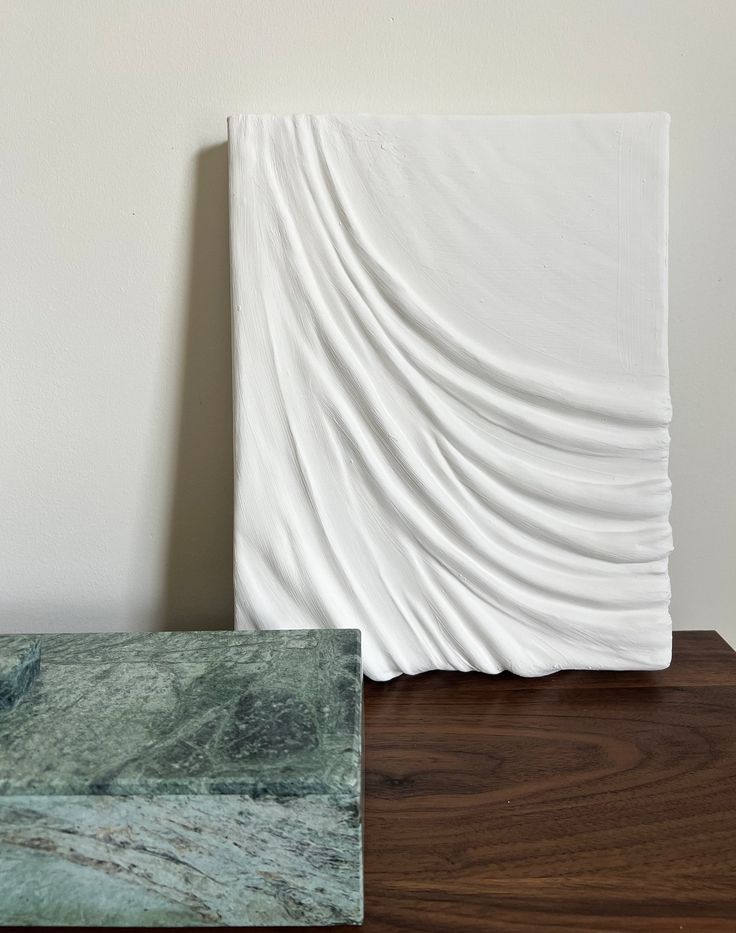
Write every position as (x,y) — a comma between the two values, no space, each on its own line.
(451,386)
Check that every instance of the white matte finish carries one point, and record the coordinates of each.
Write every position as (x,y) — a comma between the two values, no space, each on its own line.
(451,386)
(115,423)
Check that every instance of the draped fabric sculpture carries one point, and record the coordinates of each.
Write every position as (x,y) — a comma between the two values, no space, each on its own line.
(451,386)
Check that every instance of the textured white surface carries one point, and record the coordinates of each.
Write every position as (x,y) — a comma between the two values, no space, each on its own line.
(115,422)
(451,386)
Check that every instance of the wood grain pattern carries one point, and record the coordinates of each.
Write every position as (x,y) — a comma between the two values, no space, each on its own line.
(582,802)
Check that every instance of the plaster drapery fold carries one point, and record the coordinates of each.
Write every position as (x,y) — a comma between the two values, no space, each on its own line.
(451,386)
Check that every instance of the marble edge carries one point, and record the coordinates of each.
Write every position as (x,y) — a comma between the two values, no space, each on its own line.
(58,647)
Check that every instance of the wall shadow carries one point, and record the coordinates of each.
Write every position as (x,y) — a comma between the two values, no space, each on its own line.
(198,582)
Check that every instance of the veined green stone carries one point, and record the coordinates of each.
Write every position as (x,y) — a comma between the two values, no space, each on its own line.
(201,778)
(19,665)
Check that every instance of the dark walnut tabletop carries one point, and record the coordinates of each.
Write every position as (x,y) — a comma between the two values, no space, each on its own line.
(584,801)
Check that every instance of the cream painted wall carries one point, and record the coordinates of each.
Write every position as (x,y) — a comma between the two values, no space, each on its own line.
(115,439)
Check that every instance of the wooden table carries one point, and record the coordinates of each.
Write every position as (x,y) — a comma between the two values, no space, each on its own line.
(583,801)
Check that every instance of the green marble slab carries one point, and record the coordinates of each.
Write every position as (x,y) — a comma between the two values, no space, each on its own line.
(20,662)
(200,778)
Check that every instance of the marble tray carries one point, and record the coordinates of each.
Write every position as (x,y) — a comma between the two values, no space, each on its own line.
(171,779)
